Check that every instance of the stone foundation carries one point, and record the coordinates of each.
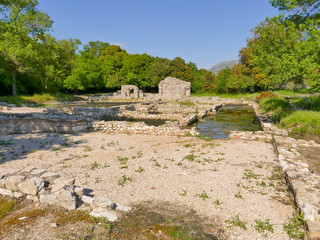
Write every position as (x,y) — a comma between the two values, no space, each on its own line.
(50,188)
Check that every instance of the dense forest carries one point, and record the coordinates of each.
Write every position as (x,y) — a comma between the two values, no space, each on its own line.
(284,52)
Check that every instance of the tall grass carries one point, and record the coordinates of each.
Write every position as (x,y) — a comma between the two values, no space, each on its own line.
(276,108)
(302,123)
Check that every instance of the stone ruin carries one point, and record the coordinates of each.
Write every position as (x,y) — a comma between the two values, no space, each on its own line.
(49,188)
(174,88)
(128,91)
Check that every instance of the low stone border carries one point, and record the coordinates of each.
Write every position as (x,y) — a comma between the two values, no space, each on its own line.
(169,128)
(50,188)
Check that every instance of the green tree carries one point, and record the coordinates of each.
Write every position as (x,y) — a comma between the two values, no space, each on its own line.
(21,26)
(88,72)
(299,10)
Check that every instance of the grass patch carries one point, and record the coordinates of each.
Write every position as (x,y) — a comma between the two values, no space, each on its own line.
(302,123)
(276,108)
(188,104)
(236,222)
(6,206)
(295,227)
(39,99)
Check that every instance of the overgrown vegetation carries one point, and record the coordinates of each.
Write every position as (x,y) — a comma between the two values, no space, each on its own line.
(296,115)
(295,227)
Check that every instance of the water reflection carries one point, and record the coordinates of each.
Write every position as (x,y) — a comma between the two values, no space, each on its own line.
(229,118)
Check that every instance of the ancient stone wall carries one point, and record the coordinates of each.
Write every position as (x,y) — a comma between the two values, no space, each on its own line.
(172,88)
(50,188)
(37,124)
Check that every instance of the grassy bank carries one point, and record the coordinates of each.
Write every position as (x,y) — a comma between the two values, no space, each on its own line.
(301,117)
(39,99)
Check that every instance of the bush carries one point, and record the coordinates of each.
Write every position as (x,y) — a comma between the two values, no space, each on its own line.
(264,95)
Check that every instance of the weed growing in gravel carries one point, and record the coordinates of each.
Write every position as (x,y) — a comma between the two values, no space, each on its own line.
(184,193)
(102,147)
(120,149)
(262,226)
(97,180)
(259,165)
(179,163)
(122,160)
(236,222)
(248,174)
(203,196)
(94,166)
(295,227)
(139,154)
(190,157)
(5,142)
(139,170)
(217,202)
(214,170)
(87,149)
(105,165)
(277,175)
(87,175)
(170,159)
(262,184)
(112,144)
(123,180)
(238,195)
(157,164)
(6,206)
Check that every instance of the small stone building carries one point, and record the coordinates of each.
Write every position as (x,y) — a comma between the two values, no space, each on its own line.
(131,90)
(174,88)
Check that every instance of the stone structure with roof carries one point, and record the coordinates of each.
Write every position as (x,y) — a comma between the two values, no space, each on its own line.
(174,88)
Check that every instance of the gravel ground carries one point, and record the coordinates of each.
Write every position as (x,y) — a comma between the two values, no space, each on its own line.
(217,179)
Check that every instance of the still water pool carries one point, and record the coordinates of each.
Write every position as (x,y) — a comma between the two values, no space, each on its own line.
(228,118)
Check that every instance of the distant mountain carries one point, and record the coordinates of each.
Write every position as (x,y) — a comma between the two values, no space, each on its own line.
(217,68)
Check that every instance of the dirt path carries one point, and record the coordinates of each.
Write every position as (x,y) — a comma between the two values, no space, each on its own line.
(218,180)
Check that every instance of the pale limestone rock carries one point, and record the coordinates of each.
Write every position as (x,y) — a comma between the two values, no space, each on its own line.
(50,176)
(28,169)
(33,198)
(67,200)
(123,208)
(110,216)
(64,181)
(2,183)
(87,199)
(101,202)
(12,182)
(78,191)
(49,199)
(6,192)
(31,186)
(38,172)
(17,194)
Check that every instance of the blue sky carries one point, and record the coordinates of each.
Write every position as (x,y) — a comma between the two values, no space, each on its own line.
(205,32)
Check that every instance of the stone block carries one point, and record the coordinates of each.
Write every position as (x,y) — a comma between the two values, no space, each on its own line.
(67,200)
(6,192)
(123,208)
(87,199)
(2,183)
(110,216)
(50,199)
(101,202)
(38,172)
(50,176)
(12,182)
(78,191)
(31,186)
